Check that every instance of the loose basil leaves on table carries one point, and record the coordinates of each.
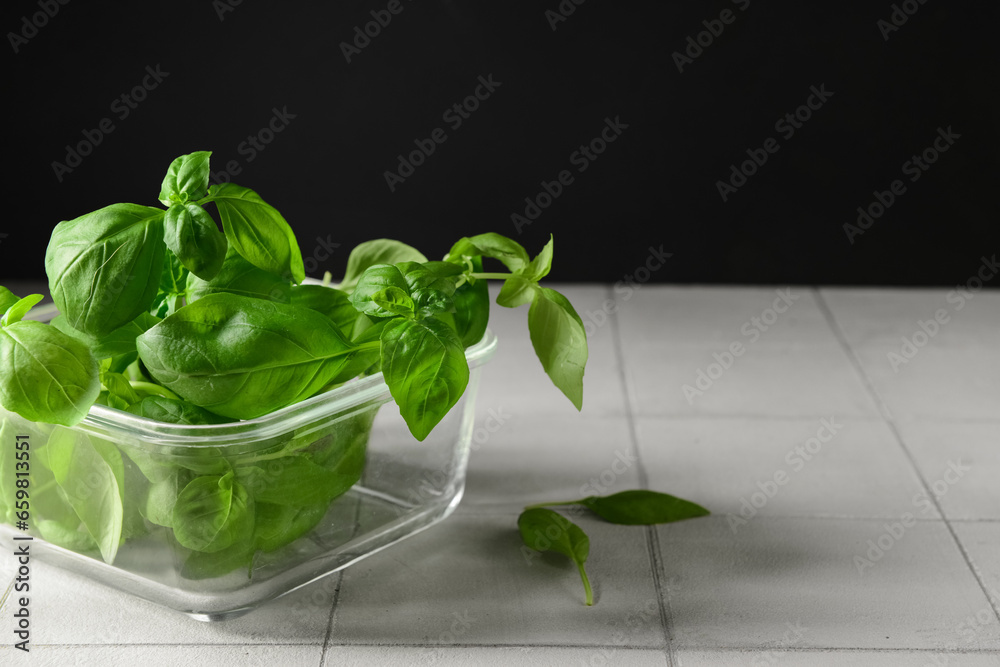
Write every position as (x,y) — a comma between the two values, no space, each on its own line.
(543,529)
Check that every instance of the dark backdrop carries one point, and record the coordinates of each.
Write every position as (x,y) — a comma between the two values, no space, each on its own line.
(223,69)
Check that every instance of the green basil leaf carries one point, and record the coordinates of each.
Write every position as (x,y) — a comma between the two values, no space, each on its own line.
(257,231)
(374,280)
(472,308)
(296,481)
(516,291)
(173,411)
(278,525)
(643,508)
(544,530)
(66,535)
(238,276)
(540,265)
(394,300)
(20,308)
(425,367)
(371,253)
(333,303)
(212,513)
(7,299)
(162,497)
(510,252)
(8,434)
(186,179)
(48,376)
(104,267)
(119,388)
(242,358)
(91,475)
(439,276)
(192,235)
(560,342)
(118,343)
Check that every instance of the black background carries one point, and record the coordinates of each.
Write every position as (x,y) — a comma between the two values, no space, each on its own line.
(655,186)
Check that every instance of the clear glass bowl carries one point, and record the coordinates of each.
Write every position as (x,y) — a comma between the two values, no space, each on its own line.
(348,442)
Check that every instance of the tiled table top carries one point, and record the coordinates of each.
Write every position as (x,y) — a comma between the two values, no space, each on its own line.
(852,480)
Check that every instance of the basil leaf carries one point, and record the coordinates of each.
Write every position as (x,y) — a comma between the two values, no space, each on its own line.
(378,251)
(394,300)
(118,343)
(516,291)
(20,308)
(162,498)
(544,530)
(257,231)
(541,264)
(7,299)
(160,408)
(439,276)
(238,276)
(425,367)
(510,252)
(186,179)
(212,513)
(642,508)
(560,342)
(331,302)
(104,267)
(66,535)
(296,481)
(242,358)
(49,376)
(375,280)
(192,235)
(91,475)
(279,525)
(472,308)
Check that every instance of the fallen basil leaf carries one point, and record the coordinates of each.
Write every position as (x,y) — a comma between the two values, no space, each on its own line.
(545,530)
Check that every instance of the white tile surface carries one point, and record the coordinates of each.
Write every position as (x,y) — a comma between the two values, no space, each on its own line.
(782,467)
(961,464)
(781,582)
(835,659)
(533,458)
(729,596)
(468,581)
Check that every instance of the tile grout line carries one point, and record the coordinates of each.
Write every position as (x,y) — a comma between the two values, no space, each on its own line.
(891,423)
(652,542)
